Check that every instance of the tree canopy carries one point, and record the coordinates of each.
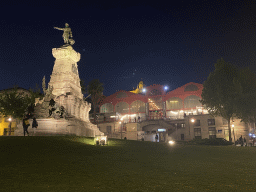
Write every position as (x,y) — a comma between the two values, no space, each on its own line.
(16,102)
(95,89)
(246,95)
(219,94)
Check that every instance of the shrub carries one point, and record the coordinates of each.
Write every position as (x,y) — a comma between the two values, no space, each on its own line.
(217,141)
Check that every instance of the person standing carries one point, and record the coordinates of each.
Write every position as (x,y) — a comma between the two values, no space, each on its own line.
(25,125)
(156,138)
(34,124)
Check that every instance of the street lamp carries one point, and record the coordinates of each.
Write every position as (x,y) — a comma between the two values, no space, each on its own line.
(192,120)
(121,127)
(10,125)
(234,132)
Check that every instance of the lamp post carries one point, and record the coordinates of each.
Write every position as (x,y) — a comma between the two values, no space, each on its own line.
(234,132)
(10,126)
(192,120)
(121,127)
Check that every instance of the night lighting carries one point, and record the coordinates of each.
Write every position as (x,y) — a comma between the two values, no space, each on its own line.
(192,120)
(171,142)
(144,90)
(10,119)
(100,140)
(165,88)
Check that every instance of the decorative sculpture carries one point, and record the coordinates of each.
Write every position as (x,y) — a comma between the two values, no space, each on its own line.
(67,34)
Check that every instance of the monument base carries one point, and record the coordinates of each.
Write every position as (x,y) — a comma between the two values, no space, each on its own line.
(60,127)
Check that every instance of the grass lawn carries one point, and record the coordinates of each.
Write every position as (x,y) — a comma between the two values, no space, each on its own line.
(74,164)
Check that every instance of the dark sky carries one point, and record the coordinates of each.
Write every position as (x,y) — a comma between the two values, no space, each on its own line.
(163,43)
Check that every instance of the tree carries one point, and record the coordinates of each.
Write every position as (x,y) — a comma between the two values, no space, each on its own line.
(95,89)
(246,91)
(16,102)
(219,94)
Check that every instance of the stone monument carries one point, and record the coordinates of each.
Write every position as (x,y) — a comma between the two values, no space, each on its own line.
(63,109)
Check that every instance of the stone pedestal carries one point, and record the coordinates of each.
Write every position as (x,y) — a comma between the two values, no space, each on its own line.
(65,78)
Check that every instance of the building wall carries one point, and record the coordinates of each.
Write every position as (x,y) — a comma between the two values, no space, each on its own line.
(221,127)
(4,126)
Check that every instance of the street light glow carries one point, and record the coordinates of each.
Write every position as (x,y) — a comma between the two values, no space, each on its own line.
(10,119)
(192,120)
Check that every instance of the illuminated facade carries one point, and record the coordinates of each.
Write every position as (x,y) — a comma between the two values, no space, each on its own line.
(156,103)
(4,126)
(176,114)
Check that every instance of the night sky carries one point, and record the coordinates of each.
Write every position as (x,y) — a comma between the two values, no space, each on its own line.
(121,43)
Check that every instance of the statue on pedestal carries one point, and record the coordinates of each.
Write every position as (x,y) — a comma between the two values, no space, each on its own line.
(67,34)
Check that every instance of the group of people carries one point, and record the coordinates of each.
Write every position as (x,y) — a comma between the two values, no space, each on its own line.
(26,124)
(241,141)
(138,119)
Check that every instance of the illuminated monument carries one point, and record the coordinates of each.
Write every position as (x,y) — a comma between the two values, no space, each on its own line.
(65,91)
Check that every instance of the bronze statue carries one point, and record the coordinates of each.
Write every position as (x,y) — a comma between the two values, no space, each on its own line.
(67,34)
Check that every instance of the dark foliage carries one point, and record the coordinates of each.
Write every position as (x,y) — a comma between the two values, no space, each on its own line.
(217,141)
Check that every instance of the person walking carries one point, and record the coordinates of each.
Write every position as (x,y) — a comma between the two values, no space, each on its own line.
(25,125)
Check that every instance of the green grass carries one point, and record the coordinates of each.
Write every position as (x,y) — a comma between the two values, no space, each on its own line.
(74,164)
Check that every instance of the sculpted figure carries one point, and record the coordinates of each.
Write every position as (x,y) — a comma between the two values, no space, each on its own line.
(67,34)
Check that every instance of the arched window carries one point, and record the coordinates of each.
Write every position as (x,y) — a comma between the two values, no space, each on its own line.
(107,108)
(138,107)
(192,101)
(121,95)
(174,103)
(155,92)
(122,107)
(191,88)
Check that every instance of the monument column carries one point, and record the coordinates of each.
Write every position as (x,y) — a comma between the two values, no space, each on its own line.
(65,78)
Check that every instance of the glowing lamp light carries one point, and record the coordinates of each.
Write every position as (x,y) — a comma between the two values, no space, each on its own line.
(171,142)
(165,88)
(144,90)
(250,134)
(233,125)
(100,140)
(192,120)
(10,119)
(253,135)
